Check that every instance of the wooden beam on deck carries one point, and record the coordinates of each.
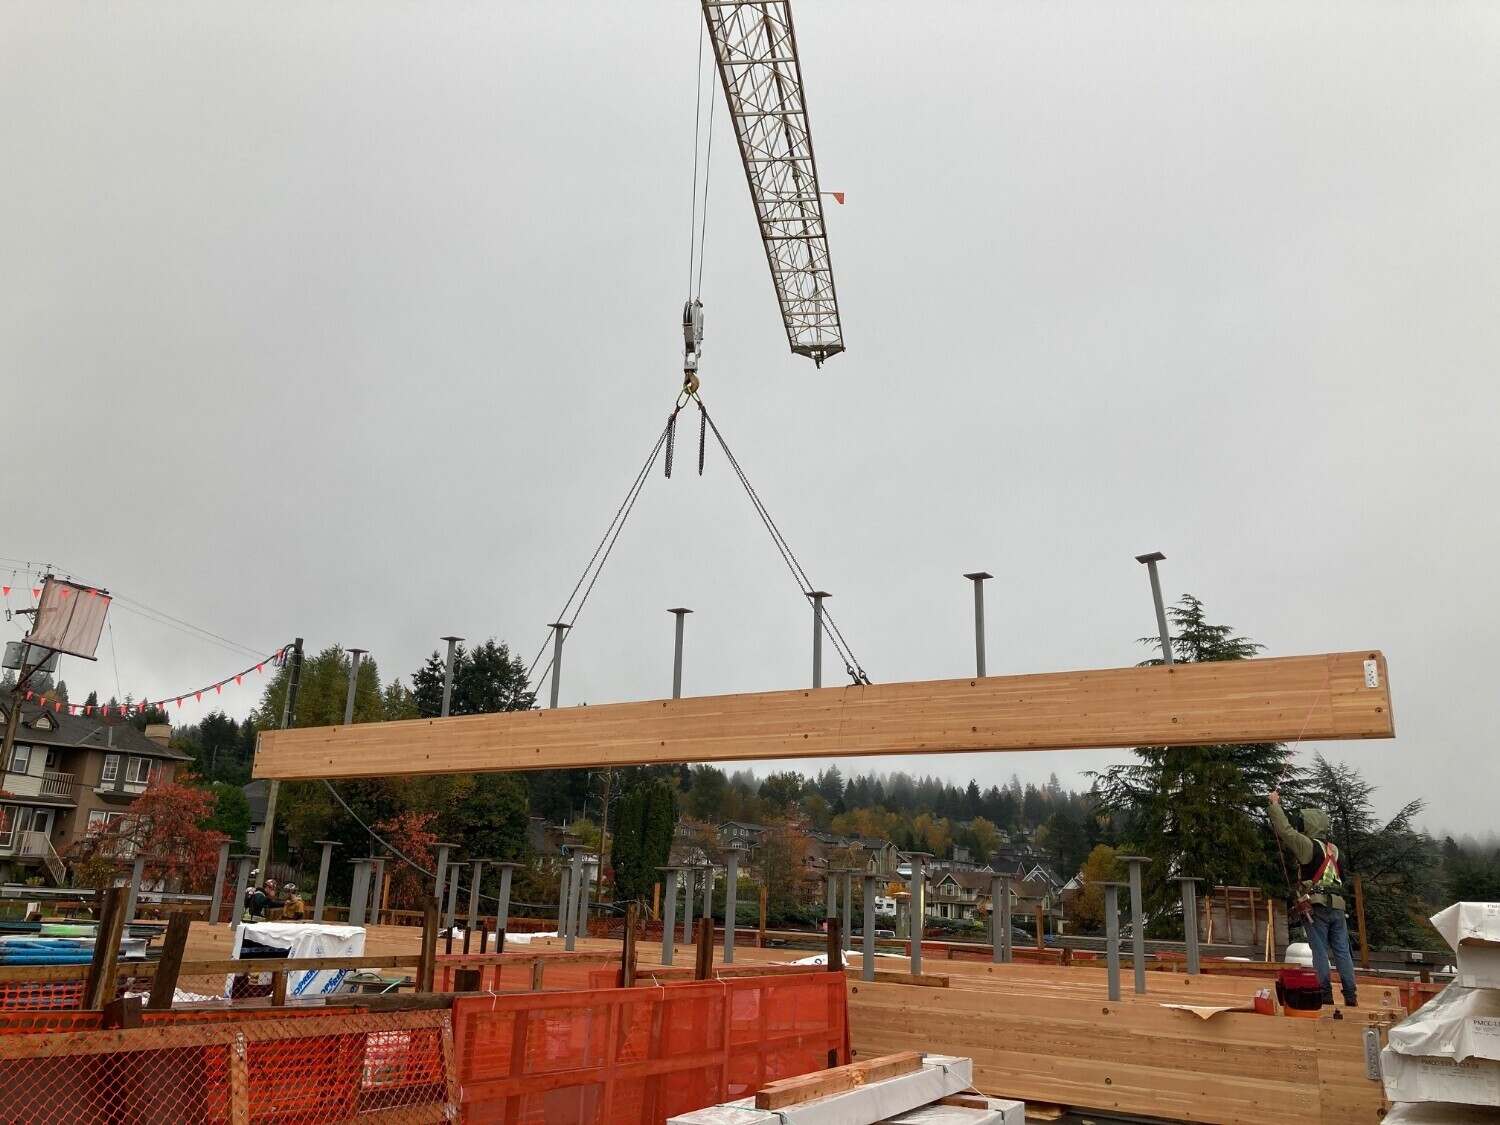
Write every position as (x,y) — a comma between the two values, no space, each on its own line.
(1276,699)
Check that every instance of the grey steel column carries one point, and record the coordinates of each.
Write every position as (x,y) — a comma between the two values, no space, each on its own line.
(354,655)
(581,909)
(681,614)
(241,885)
(918,910)
(668,913)
(687,906)
(564,902)
(219,874)
(448,675)
(1190,920)
(377,880)
(868,973)
(708,891)
(322,892)
(1000,918)
(454,871)
(817,597)
(440,882)
(1137,925)
(1112,937)
(1161,610)
(832,896)
(731,899)
(502,908)
(359,892)
(848,908)
(473,922)
(978,578)
(137,871)
(558,629)
(577,895)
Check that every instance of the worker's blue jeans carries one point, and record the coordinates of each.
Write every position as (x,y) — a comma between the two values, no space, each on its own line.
(1328,931)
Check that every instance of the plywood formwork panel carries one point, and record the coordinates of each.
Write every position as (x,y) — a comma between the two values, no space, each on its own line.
(1270,700)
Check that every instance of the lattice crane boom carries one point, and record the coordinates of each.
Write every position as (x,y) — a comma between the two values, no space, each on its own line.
(755,48)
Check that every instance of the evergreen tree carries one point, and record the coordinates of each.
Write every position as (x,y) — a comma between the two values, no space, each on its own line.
(1198,810)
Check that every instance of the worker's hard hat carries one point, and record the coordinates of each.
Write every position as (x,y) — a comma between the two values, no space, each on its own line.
(290,887)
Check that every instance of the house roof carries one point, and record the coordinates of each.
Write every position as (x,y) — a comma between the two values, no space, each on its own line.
(89,733)
(969,880)
(742,824)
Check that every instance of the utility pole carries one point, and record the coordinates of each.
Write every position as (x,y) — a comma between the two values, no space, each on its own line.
(354,655)
(558,629)
(817,597)
(288,714)
(979,577)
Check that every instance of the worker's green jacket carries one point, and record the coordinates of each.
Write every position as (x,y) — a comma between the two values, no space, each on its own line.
(1307,850)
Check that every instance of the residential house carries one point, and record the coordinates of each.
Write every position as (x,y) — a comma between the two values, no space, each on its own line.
(739,834)
(66,774)
(957,894)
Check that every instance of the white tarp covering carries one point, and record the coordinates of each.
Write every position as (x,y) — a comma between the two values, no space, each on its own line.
(1473,930)
(1424,1078)
(874,1102)
(303,939)
(1458,1023)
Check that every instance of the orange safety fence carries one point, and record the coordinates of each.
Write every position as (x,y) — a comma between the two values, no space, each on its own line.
(639,1055)
(391,1067)
(519,972)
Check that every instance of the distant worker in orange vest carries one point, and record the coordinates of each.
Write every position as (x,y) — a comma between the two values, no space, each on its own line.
(294,909)
(1320,905)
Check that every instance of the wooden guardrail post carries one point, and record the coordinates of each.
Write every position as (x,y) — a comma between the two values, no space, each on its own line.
(278,989)
(427,966)
(167,969)
(703,968)
(835,946)
(627,950)
(99,989)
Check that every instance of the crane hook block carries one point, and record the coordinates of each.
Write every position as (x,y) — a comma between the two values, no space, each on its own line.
(692,341)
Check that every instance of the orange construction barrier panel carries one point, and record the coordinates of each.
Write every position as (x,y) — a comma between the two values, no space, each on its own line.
(636,1056)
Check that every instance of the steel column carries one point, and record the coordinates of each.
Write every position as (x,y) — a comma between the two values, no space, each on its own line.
(1137,922)
(1000,935)
(1190,921)
(668,913)
(448,675)
(440,882)
(978,577)
(558,629)
(502,908)
(848,891)
(687,906)
(219,874)
(817,597)
(354,655)
(359,892)
(473,920)
(681,614)
(576,895)
(322,893)
(241,885)
(1161,610)
(564,902)
(918,910)
(377,880)
(1112,937)
(137,872)
(868,937)
(731,900)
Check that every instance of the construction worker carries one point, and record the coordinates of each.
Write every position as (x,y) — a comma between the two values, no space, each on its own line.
(295,909)
(1319,901)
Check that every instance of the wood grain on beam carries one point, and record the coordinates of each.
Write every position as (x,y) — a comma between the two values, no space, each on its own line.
(1278,699)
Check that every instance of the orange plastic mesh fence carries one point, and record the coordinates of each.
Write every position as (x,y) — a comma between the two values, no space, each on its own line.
(386,1066)
(640,1055)
(515,972)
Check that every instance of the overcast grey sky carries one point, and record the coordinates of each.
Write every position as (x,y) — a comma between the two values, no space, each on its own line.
(354,320)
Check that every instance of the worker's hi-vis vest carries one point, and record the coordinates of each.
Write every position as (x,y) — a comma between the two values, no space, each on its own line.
(1324,874)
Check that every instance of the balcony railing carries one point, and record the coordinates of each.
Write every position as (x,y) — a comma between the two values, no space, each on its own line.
(58,784)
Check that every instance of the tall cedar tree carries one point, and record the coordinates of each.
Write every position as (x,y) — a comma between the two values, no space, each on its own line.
(1199,810)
